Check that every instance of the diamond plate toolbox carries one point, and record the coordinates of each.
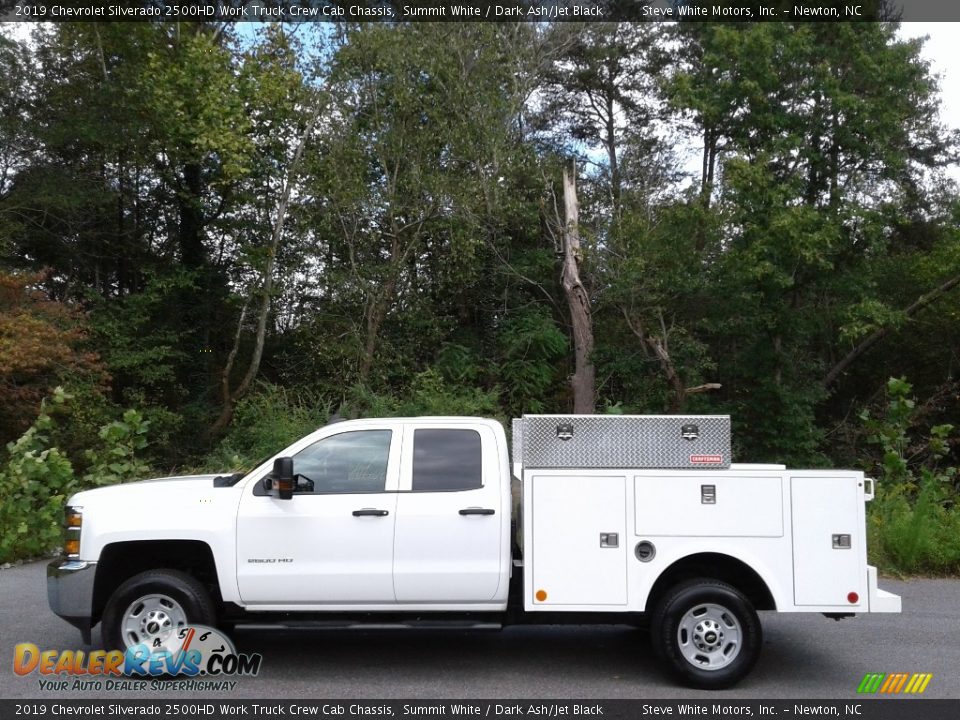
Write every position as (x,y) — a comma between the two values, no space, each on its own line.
(622,441)
(516,433)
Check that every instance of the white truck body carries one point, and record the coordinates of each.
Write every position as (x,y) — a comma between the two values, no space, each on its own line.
(777,522)
(413,515)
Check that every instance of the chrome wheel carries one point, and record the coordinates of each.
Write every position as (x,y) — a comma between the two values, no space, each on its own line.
(709,636)
(153,620)
(152,608)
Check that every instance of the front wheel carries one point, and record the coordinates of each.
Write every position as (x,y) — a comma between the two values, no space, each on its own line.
(149,609)
(707,632)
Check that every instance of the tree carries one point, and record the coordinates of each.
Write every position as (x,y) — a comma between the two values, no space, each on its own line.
(600,90)
(411,196)
(41,347)
(14,152)
(279,84)
(818,138)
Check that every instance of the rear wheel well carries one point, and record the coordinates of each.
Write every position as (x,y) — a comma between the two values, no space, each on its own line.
(719,567)
(121,561)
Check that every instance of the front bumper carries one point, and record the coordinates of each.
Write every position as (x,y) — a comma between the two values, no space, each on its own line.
(70,592)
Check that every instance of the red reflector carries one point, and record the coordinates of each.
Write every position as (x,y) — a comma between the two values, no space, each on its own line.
(853,598)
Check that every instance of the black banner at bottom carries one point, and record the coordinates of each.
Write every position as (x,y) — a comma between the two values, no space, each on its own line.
(855,709)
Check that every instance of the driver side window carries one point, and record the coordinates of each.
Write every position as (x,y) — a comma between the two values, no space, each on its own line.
(350,462)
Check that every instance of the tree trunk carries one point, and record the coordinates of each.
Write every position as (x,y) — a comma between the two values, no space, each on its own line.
(709,163)
(650,343)
(611,143)
(379,306)
(231,397)
(190,233)
(404,241)
(583,381)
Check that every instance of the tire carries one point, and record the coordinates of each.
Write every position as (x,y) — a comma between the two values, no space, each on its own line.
(151,606)
(707,633)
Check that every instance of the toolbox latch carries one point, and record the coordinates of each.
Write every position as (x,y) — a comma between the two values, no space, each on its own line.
(609,540)
(708,494)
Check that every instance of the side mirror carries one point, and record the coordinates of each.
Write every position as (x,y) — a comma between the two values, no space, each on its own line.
(281,478)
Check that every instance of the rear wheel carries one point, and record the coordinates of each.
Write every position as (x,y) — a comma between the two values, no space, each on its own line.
(707,632)
(149,609)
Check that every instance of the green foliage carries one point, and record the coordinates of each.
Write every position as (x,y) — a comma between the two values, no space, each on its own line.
(429,394)
(195,103)
(531,346)
(138,335)
(914,521)
(77,423)
(265,422)
(34,484)
(271,418)
(117,460)
(37,478)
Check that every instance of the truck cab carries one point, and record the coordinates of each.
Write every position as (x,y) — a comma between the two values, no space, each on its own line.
(386,515)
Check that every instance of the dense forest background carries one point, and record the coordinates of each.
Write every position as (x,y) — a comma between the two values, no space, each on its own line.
(213,237)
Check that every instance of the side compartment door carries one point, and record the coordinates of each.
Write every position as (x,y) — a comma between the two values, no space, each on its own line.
(450,520)
(332,544)
(825,570)
(579,540)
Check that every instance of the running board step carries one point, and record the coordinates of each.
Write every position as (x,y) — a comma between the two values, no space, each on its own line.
(347,625)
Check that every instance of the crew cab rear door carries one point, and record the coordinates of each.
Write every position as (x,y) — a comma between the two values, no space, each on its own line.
(450,530)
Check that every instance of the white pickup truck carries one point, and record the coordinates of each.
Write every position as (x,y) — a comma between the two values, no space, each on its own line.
(407,522)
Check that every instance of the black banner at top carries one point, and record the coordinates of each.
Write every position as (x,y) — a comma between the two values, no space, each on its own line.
(298,11)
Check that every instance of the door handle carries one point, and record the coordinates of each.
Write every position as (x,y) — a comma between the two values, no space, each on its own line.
(372,512)
(477,511)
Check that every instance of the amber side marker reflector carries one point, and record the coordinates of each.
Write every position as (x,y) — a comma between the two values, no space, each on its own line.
(541,595)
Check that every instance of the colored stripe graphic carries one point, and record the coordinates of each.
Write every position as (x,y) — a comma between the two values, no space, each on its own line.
(870,683)
(889,683)
(894,683)
(924,680)
(900,683)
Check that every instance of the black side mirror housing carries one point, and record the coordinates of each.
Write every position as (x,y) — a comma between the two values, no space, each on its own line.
(281,479)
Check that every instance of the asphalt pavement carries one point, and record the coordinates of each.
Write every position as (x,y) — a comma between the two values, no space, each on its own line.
(804,655)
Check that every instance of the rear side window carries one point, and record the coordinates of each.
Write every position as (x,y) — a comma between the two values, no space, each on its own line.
(446,460)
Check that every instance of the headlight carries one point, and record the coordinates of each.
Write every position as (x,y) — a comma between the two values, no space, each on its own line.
(72,524)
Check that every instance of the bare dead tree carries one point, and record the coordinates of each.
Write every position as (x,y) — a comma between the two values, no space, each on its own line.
(583,380)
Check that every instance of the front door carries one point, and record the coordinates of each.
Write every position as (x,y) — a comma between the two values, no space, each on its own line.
(332,543)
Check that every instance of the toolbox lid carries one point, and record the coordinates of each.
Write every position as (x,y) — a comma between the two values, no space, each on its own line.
(622,441)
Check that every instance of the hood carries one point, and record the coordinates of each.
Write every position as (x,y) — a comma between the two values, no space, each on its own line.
(152,489)
(179,478)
